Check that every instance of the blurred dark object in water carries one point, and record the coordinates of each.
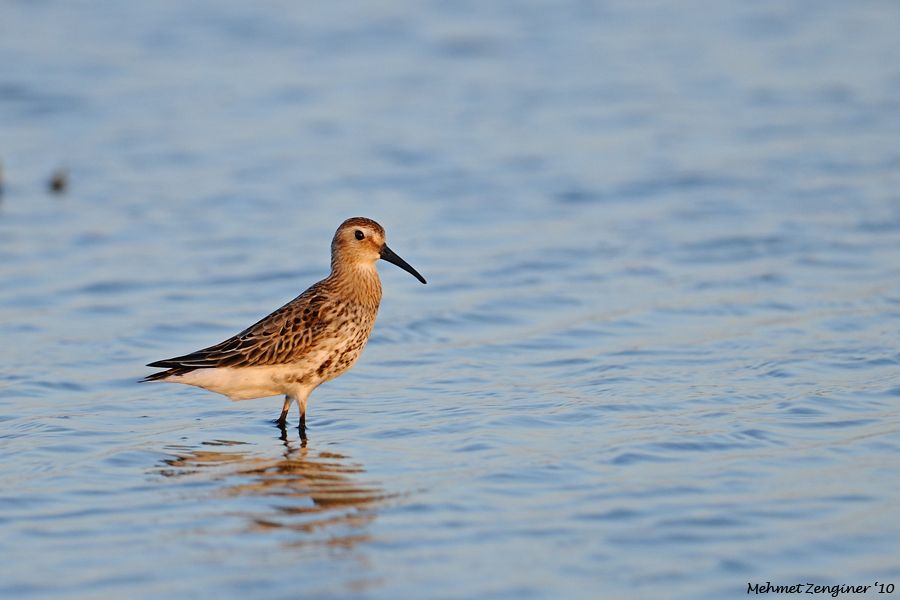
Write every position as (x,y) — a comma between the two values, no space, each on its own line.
(59,181)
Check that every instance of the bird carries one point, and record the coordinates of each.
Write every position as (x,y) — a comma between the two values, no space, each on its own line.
(312,339)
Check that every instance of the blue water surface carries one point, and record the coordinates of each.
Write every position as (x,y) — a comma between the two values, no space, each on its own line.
(657,356)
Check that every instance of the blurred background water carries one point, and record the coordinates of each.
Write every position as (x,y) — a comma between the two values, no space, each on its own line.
(657,355)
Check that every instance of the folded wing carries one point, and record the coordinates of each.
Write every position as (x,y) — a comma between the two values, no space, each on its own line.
(276,339)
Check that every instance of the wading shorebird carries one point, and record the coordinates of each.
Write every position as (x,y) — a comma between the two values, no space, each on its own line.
(310,340)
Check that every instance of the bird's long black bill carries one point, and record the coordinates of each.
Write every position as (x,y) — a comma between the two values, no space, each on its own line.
(388,255)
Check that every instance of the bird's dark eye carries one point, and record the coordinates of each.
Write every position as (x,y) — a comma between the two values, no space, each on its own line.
(360,235)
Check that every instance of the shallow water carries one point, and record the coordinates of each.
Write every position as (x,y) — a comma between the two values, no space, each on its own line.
(657,355)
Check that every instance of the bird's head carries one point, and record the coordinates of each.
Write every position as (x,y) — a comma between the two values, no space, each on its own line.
(359,242)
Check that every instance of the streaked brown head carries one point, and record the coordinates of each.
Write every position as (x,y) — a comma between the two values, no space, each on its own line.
(359,242)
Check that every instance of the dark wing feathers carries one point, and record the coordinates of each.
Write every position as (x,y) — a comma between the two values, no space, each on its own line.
(275,339)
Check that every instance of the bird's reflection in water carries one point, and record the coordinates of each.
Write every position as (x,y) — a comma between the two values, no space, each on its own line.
(320,496)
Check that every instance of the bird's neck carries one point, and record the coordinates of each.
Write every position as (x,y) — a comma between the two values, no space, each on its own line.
(359,282)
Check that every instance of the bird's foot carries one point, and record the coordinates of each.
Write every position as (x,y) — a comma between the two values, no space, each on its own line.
(283,429)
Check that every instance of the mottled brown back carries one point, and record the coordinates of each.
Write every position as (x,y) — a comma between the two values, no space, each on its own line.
(283,335)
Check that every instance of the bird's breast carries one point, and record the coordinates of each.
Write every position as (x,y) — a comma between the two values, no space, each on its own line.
(338,353)
(335,350)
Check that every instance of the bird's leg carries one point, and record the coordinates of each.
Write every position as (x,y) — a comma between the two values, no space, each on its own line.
(284,411)
(301,405)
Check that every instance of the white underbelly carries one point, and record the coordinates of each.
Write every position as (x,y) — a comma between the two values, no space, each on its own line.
(247,382)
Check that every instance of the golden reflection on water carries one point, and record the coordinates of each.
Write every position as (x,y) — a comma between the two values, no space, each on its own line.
(320,496)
